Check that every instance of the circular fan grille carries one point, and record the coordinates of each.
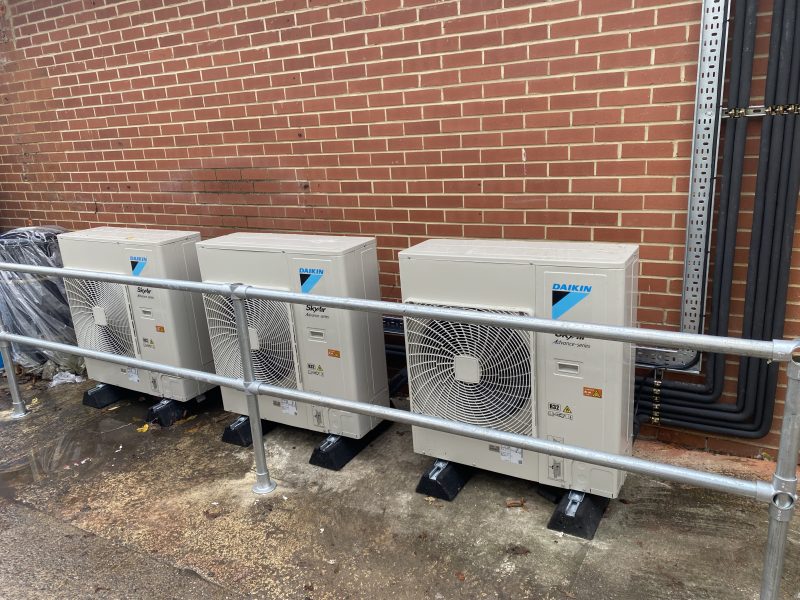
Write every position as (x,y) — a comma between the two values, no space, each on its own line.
(115,336)
(497,395)
(273,360)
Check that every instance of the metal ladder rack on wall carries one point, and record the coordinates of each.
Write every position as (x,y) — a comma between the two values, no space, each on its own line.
(705,151)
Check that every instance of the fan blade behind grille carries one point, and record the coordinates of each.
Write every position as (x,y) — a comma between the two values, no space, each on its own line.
(274,360)
(115,336)
(501,398)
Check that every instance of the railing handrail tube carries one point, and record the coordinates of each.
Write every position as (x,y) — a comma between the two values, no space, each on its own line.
(779,350)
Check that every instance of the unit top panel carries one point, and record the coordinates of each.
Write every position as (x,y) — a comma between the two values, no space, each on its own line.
(290,243)
(597,254)
(129,235)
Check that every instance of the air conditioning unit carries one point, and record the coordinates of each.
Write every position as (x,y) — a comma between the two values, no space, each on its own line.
(154,324)
(556,387)
(312,348)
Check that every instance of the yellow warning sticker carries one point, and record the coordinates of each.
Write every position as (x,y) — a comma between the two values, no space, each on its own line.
(593,392)
(567,410)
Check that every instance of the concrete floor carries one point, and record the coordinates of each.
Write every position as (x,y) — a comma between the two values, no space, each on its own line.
(92,508)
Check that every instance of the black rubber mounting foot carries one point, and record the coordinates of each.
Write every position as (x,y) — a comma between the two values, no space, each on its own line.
(336,451)
(238,433)
(444,480)
(578,514)
(166,412)
(103,395)
(550,492)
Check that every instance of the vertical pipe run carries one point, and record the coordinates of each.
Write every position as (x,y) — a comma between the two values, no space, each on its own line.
(263,484)
(18,409)
(784,483)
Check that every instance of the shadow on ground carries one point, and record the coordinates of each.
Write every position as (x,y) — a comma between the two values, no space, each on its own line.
(92,507)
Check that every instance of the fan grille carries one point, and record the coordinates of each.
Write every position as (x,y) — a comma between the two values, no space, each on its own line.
(501,398)
(115,336)
(273,361)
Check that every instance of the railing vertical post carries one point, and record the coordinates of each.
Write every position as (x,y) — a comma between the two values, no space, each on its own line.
(263,485)
(18,408)
(784,483)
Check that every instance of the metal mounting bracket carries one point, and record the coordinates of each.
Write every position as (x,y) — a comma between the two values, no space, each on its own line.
(574,500)
(737,113)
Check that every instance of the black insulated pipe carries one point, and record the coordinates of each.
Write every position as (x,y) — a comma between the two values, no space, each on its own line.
(727,222)
(769,168)
(773,227)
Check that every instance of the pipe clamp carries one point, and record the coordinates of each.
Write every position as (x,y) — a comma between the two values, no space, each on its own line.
(239,291)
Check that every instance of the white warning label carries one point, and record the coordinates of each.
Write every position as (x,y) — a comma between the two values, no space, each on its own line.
(289,407)
(511,454)
(133,374)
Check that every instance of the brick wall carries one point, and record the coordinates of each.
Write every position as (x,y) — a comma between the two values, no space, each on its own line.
(401,119)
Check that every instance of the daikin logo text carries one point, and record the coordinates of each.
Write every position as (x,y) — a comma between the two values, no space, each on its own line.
(565,296)
(572,287)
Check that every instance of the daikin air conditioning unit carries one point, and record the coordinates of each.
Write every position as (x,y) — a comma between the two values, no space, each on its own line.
(154,324)
(556,387)
(329,351)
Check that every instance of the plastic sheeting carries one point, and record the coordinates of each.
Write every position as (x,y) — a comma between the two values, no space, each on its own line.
(36,305)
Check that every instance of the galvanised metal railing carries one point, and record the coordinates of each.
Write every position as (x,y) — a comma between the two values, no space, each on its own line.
(780,494)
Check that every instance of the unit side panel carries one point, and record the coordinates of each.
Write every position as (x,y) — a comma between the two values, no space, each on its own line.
(317,328)
(370,327)
(193,303)
(331,341)
(629,356)
(583,383)
(165,328)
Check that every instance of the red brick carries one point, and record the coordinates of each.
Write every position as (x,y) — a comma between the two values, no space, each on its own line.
(525,232)
(629,20)
(525,35)
(463,24)
(577,64)
(655,76)
(574,28)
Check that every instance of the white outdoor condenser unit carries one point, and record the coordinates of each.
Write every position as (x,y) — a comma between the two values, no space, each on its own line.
(557,387)
(159,325)
(328,351)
